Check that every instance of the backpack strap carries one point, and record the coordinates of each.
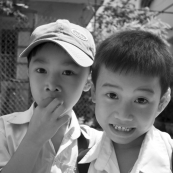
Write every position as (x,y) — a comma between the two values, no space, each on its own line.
(83,149)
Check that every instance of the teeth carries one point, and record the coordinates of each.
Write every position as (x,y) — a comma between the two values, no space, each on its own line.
(120,128)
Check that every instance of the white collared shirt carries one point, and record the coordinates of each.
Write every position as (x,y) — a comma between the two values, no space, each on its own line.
(13,128)
(154,157)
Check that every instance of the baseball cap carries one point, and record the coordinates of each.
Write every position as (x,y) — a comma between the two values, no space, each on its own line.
(74,39)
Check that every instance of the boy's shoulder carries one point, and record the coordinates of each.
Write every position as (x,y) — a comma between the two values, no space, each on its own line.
(156,141)
(17,117)
(89,130)
(164,136)
(10,116)
(11,122)
(89,141)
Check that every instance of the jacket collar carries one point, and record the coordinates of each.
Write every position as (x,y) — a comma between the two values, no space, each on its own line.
(154,154)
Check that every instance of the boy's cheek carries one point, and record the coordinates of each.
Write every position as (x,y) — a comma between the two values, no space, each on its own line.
(146,113)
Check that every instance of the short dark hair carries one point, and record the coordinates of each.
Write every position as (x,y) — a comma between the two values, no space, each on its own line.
(137,51)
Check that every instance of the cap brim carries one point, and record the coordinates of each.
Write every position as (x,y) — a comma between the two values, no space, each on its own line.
(78,55)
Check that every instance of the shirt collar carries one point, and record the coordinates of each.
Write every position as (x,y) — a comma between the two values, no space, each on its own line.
(106,159)
(21,117)
(94,151)
(73,131)
(103,154)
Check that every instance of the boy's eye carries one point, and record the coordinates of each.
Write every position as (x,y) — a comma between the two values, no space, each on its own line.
(41,70)
(68,72)
(112,95)
(141,101)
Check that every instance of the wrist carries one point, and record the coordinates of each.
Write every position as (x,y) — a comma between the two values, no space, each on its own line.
(31,141)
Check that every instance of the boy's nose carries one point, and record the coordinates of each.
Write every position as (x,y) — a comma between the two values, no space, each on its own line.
(124,112)
(52,85)
(53,88)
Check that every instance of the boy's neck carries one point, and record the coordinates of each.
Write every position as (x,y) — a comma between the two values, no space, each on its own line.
(132,145)
(65,127)
(127,154)
(58,137)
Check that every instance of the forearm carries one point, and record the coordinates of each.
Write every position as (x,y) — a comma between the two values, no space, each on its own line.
(24,159)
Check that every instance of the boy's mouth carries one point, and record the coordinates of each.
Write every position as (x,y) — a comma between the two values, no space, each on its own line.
(121,128)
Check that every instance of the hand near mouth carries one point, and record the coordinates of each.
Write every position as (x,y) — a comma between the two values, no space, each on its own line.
(46,121)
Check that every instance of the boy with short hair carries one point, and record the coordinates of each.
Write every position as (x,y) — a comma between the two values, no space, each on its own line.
(131,78)
(44,139)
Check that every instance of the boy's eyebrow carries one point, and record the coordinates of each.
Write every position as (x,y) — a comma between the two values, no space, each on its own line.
(138,89)
(145,90)
(111,85)
(67,63)
(39,60)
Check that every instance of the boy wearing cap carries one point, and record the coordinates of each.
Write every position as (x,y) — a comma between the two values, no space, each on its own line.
(43,139)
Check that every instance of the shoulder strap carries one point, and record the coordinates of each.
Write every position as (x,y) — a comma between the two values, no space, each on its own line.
(83,149)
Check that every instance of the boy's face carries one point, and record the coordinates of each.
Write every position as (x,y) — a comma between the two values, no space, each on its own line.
(54,74)
(126,104)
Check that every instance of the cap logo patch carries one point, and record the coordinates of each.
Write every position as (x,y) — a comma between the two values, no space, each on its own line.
(79,34)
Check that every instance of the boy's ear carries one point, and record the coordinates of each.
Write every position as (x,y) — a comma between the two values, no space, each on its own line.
(87,84)
(93,93)
(164,101)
